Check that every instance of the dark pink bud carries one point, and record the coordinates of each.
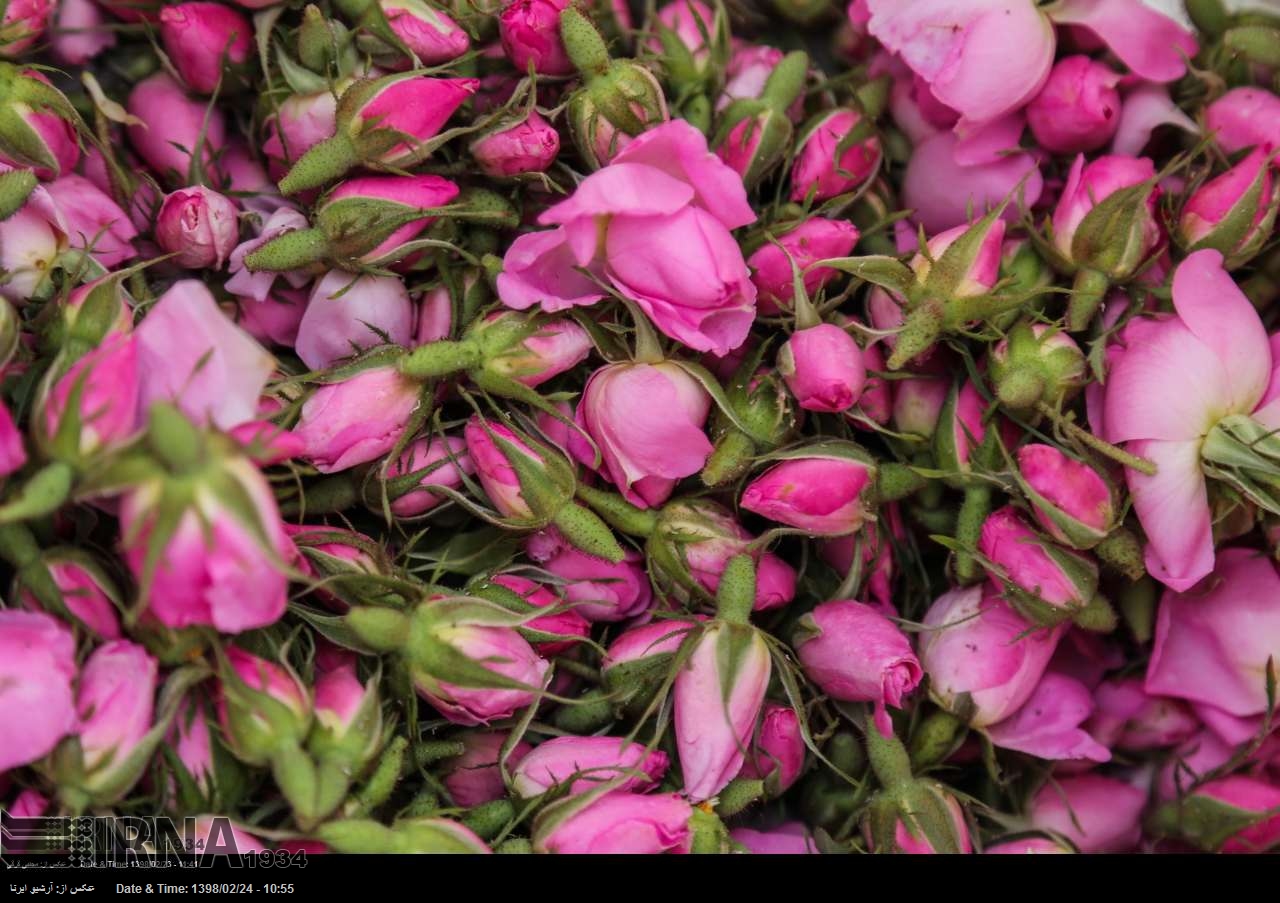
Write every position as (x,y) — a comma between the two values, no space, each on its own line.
(174,124)
(474,777)
(814,239)
(856,654)
(823,368)
(530,31)
(1078,109)
(579,764)
(779,747)
(200,38)
(530,145)
(822,169)
(199,227)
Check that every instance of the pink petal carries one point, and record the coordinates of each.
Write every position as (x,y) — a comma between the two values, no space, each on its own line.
(1218,314)
(1166,384)
(1173,508)
(1146,40)
(628,188)
(540,269)
(1146,108)
(1048,724)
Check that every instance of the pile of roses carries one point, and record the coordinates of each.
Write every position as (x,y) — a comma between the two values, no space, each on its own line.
(551,426)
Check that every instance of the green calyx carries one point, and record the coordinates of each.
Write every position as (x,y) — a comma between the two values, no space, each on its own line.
(1244,454)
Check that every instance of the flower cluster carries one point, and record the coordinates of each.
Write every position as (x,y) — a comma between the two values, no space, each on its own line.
(582,426)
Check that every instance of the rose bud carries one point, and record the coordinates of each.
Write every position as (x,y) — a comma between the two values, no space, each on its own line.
(1244,118)
(357,420)
(692,544)
(647,420)
(919,399)
(79,35)
(1098,814)
(719,690)
(1111,244)
(435,316)
(760,415)
(13,454)
(202,534)
(517,347)
(191,741)
(550,634)
(813,240)
(1070,500)
(348,725)
(91,406)
(778,751)
(37,667)
(530,33)
(597,590)
(532,485)
(173,127)
(790,838)
(1036,365)
(619,99)
(579,764)
(1078,109)
(86,590)
(190,353)
(297,124)
(648,646)
(823,368)
(531,145)
(363,220)
(37,130)
(983,659)
(824,490)
(1045,583)
(349,314)
(909,815)
(1234,814)
(209,44)
(855,654)
(115,697)
(199,227)
(1127,717)
(816,174)
(95,223)
(755,133)
(338,561)
(429,33)
(427,462)
(452,643)
(615,822)
(954,277)
(263,708)
(386,122)
(1231,630)
(1233,213)
(474,777)
(23,25)
(689,37)
(747,72)
(875,549)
